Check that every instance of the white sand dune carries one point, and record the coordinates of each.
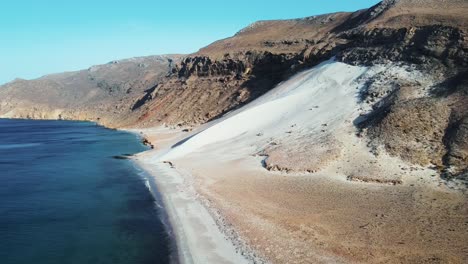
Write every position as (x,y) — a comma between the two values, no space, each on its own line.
(324,94)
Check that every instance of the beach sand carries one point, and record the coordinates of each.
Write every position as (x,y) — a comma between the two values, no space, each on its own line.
(198,238)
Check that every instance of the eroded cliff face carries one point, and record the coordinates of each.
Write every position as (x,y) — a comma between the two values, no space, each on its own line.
(419,122)
(201,89)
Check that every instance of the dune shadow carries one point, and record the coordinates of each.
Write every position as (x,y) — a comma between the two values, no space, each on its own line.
(184,140)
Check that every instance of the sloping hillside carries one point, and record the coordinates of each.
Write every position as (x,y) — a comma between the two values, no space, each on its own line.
(102,93)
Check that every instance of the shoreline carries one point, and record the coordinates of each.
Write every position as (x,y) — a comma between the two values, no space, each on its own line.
(192,230)
(197,235)
(81,174)
(150,182)
(163,214)
(195,227)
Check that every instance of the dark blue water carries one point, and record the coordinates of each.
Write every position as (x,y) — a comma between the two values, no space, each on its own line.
(65,199)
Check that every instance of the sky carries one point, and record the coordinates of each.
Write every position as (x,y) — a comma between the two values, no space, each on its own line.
(39,37)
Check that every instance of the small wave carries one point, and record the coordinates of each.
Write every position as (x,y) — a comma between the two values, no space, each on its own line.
(14,146)
(147,184)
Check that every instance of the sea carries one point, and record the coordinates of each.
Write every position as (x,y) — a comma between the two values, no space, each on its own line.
(68,194)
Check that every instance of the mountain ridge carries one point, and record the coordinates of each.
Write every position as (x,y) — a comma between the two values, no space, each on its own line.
(95,88)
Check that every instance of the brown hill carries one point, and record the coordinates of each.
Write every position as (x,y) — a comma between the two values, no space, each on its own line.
(276,36)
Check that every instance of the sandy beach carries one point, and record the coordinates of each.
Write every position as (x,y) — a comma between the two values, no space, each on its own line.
(198,238)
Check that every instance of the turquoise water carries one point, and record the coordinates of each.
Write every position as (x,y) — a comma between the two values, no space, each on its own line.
(65,198)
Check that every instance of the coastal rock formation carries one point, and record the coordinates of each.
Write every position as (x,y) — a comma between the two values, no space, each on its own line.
(202,89)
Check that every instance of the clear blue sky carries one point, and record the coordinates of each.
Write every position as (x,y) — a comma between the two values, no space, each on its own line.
(39,37)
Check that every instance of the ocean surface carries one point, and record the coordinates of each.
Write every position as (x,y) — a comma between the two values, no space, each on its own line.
(66,198)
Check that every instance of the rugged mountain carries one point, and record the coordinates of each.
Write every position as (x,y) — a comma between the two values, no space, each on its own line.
(231,72)
(429,36)
(420,122)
